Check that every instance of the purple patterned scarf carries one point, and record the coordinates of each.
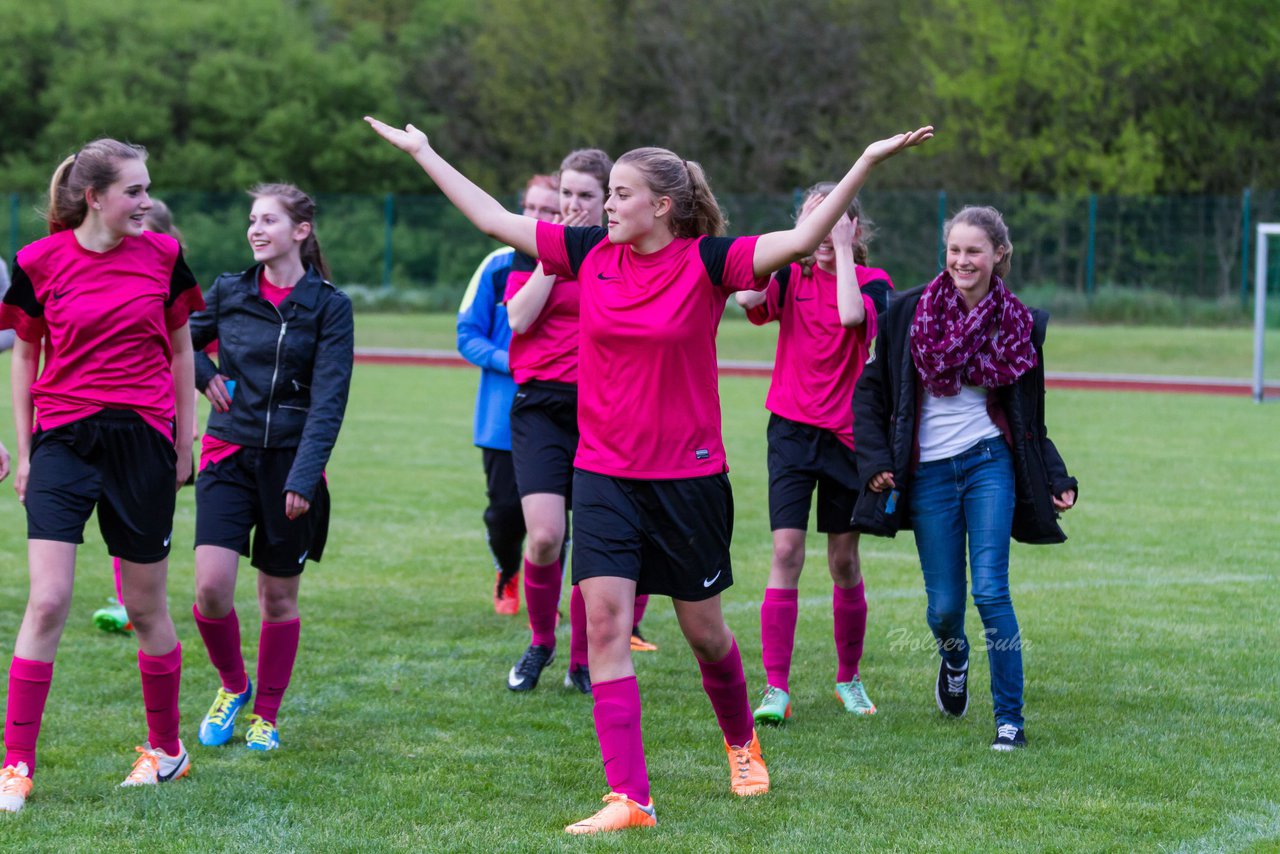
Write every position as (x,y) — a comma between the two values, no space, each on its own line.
(988,345)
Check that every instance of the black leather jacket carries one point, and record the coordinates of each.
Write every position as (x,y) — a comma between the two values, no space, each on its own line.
(292,367)
(886,408)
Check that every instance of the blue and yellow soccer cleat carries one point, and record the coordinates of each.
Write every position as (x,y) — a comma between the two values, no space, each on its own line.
(262,734)
(220,723)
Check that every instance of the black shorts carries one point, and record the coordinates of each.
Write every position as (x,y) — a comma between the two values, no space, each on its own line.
(800,457)
(544,437)
(669,536)
(246,491)
(113,460)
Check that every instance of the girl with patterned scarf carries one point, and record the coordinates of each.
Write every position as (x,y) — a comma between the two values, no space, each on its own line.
(950,438)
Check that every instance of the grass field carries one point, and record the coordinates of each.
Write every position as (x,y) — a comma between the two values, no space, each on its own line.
(1151,641)
(1103,349)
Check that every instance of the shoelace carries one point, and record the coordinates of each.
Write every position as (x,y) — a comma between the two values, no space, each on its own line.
(259,732)
(222,707)
(531,664)
(1006,731)
(769,695)
(742,758)
(955,684)
(12,782)
(611,799)
(146,768)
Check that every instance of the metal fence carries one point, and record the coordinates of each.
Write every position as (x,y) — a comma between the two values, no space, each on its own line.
(1185,246)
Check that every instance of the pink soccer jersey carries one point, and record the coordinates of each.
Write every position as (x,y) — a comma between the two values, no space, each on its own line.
(106,318)
(548,349)
(818,360)
(648,386)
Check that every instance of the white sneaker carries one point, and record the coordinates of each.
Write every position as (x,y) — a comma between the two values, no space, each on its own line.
(15,787)
(155,766)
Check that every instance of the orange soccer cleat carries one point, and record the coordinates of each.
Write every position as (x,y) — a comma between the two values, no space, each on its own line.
(506,597)
(620,812)
(747,774)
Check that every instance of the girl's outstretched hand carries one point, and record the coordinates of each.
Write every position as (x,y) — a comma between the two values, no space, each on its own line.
(878,152)
(410,140)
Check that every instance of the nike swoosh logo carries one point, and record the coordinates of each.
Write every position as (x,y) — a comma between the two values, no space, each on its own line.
(707,582)
(165,778)
(304,556)
(602,277)
(513,680)
(167,539)
(803,299)
(23,723)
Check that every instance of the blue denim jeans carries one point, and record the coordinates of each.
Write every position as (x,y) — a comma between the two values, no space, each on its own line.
(970,497)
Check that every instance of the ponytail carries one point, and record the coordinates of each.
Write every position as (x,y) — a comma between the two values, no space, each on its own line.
(300,208)
(694,209)
(96,167)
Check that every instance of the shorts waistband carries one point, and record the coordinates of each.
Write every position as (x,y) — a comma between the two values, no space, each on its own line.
(549,385)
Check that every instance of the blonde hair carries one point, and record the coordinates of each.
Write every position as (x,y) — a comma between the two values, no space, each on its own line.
(990,221)
(694,209)
(96,166)
(300,208)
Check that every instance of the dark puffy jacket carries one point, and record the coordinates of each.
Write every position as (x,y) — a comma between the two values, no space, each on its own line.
(886,403)
(292,367)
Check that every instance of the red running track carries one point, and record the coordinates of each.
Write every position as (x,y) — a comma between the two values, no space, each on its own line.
(1091,382)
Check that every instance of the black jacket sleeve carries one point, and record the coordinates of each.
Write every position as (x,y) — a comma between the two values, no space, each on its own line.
(330,386)
(204,331)
(872,403)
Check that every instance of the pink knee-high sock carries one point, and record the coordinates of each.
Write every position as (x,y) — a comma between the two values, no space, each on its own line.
(642,602)
(161,676)
(617,714)
(849,607)
(577,629)
(277,650)
(222,640)
(28,690)
(542,597)
(115,567)
(778,615)
(726,687)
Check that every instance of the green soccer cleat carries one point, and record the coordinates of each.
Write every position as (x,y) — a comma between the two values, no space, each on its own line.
(854,696)
(112,617)
(775,706)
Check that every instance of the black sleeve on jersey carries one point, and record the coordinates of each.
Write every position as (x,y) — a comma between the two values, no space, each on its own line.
(520,263)
(579,241)
(23,294)
(878,290)
(715,255)
(784,278)
(181,280)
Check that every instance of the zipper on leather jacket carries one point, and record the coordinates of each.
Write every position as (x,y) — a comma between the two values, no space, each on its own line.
(275,373)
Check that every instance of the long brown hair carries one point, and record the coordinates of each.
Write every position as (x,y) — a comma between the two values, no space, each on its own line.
(300,208)
(694,209)
(96,166)
(854,211)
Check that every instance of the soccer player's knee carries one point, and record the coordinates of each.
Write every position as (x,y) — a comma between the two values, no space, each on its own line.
(544,545)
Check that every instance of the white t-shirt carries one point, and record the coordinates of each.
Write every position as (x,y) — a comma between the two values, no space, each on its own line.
(951,425)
